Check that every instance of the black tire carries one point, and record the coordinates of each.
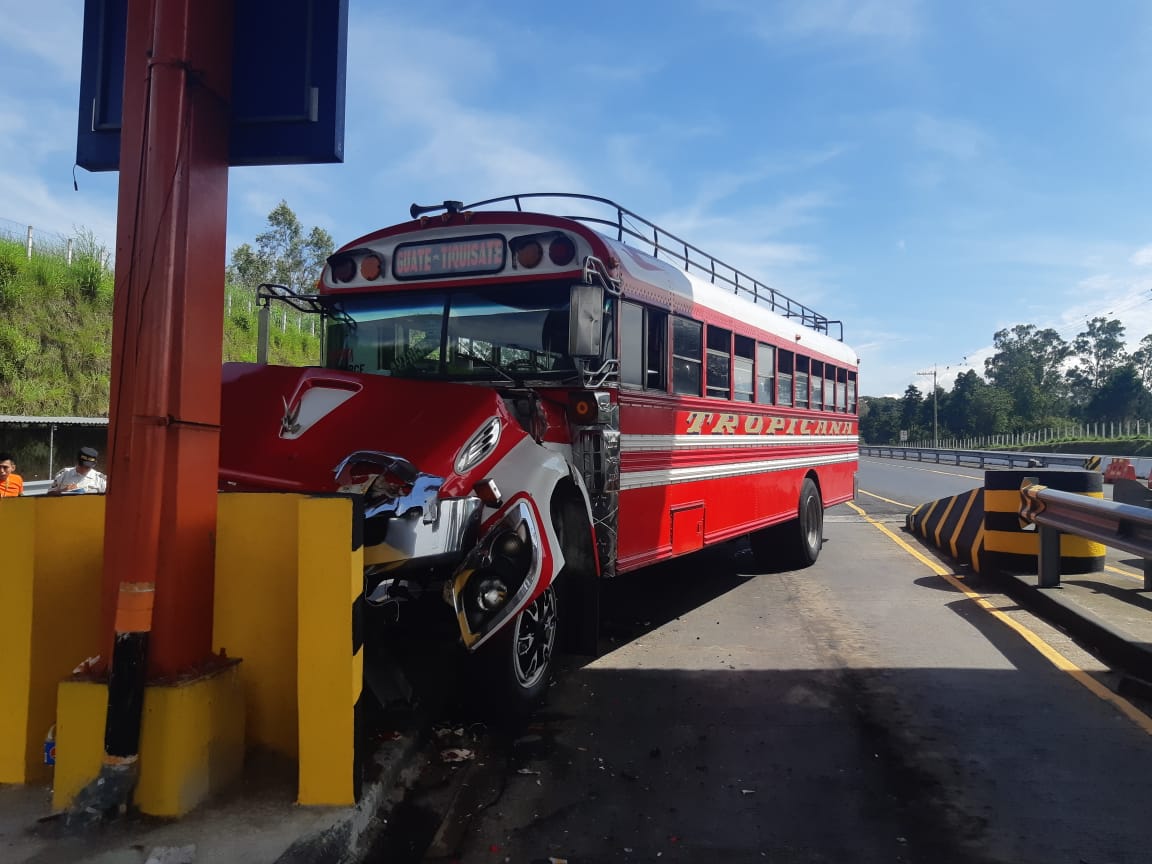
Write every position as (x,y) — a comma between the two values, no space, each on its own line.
(577,583)
(794,544)
(519,660)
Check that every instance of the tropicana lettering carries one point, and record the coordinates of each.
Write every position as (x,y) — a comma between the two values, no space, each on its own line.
(707,423)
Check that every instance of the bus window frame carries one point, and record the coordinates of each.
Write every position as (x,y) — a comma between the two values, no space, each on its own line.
(785,397)
(748,344)
(628,308)
(770,378)
(697,361)
(653,347)
(723,334)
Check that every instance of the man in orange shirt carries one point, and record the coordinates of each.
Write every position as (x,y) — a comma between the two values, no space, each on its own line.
(11,483)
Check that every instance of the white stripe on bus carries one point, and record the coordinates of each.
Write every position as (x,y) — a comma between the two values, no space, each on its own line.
(667,476)
(677,442)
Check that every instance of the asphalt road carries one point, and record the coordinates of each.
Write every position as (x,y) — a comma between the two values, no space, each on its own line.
(863,710)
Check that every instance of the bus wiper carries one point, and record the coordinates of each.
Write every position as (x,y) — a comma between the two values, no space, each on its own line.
(489,364)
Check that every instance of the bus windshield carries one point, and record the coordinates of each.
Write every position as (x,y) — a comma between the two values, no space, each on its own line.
(499,332)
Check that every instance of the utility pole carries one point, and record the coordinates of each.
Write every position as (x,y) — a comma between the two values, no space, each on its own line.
(935,424)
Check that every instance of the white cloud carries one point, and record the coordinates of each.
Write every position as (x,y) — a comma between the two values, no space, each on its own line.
(457,144)
(51,31)
(27,200)
(950,137)
(1142,257)
(886,20)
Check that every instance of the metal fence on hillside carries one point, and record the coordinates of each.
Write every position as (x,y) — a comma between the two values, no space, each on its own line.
(1104,430)
(38,241)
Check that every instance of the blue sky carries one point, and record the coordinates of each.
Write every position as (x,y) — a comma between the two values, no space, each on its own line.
(926,172)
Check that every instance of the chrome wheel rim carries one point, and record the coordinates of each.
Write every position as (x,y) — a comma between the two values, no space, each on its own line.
(813,522)
(534,639)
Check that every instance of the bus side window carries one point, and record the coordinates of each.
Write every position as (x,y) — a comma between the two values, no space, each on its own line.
(851,392)
(765,374)
(842,390)
(719,363)
(631,344)
(802,364)
(743,383)
(656,349)
(817,385)
(686,356)
(784,390)
(830,388)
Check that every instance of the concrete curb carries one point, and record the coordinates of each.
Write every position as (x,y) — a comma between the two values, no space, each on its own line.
(1116,647)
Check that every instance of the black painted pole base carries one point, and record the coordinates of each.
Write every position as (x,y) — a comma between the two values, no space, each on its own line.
(104,799)
(109,795)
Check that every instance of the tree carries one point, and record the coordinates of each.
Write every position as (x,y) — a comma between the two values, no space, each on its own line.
(1027,366)
(1099,352)
(1142,360)
(991,411)
(879,420)
(910,407)
(283,254)
(956,410)
(1122,397)
(974,408)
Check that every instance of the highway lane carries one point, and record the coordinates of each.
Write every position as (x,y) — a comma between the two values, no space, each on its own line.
(889,487)
(866,709)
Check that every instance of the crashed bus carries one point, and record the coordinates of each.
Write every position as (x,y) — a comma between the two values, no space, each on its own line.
(526,404)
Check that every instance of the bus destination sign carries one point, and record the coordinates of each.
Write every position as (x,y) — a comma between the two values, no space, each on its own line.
(457,257)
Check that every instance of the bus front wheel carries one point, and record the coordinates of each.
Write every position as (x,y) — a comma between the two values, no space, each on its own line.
(520,657)
(796,543)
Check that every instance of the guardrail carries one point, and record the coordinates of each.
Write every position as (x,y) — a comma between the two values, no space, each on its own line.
(977,458)
(37,487)
(1122,526)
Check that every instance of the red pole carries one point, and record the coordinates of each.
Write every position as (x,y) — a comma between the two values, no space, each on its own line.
(168,328)
(167,341)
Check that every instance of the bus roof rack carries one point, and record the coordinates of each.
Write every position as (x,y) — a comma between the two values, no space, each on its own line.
(627,224)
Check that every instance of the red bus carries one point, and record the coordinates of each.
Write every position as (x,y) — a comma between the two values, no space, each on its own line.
(529,403)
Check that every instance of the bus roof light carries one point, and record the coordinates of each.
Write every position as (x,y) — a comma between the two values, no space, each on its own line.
(529,254)
(371,266)
(561,250)
(343,268)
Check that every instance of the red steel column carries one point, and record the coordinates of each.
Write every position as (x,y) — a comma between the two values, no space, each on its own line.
(168,330)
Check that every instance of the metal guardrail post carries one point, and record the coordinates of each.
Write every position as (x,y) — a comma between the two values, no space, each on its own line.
(1049,554)
(1148,574)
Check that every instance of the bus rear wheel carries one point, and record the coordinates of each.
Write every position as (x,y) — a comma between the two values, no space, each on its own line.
(796,543)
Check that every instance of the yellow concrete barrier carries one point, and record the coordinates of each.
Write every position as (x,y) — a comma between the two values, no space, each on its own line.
(287,597)
(49,618)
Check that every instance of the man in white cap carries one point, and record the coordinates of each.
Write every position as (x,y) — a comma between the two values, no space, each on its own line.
(82,479)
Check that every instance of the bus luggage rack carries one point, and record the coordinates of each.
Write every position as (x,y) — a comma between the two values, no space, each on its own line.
(627,224)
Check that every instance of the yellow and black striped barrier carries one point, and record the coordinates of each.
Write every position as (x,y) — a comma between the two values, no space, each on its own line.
(955,525)
(1092,463)
(983,527)
(1012,544)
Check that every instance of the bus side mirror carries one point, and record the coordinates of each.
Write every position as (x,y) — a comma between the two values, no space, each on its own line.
(586,320)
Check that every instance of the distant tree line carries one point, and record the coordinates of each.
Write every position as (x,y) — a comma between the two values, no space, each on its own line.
(1035,380)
